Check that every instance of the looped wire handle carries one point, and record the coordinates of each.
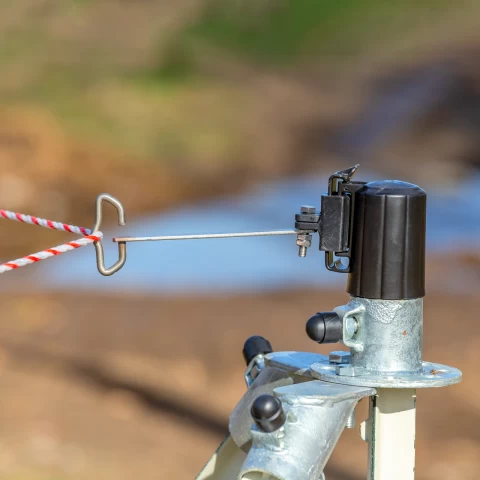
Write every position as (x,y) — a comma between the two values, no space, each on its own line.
(122,246)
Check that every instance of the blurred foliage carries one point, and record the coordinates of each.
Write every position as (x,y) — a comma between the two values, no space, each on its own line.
(176,65)
(279,31)
(127,75)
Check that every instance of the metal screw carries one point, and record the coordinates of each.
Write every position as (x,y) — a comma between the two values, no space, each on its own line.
(351,420)
(339,357)
(307,209)
(304,240)
(351,327)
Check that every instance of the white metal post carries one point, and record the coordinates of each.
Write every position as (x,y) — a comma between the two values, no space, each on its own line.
(392,435)
(225,463)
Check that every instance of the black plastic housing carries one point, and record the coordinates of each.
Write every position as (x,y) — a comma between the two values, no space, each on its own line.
(334,223)
(388,241)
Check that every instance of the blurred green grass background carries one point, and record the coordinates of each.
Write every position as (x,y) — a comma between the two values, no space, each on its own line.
(138,77)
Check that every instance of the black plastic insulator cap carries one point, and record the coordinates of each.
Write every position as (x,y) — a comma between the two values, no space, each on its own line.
(388,241)
(268,414)
(255,346)
(325,327)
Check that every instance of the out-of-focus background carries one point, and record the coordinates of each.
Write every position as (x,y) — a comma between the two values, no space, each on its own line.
(212,116)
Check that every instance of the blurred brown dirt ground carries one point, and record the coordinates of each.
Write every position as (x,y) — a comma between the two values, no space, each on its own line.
(129,386)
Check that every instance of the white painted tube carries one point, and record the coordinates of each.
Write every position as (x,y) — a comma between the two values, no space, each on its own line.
(225,463)
(392,435)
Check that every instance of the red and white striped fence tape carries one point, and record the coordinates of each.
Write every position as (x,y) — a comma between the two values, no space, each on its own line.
(42,222)
(88,238)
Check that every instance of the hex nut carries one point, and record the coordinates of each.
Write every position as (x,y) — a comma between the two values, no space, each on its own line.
(307,209)
(345,370)
(339,357)
(304,240)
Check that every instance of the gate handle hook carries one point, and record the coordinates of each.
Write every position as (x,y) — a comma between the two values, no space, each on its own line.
(122,246)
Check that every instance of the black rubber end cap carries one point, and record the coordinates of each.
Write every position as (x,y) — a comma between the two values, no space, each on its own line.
(316,328)
(325,327)
(254,346)
(268,414)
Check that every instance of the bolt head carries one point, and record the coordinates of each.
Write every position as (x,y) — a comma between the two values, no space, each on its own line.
(351,326)
(304,240)
(339,357)
(307,209)
(345,370)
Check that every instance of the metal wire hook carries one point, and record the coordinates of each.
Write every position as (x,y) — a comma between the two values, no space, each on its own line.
(122,246)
